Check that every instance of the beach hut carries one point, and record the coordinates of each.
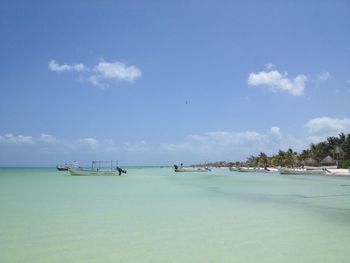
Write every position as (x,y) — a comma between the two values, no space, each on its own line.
(328,161)
(310,162)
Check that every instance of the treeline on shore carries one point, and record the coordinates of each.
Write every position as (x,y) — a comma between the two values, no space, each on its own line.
(332,151)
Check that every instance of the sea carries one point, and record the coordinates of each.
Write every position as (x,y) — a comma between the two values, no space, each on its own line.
(153,214)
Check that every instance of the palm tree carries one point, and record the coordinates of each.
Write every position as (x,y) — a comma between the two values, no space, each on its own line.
(346,147)
(262,159)
(290,158)
(281,158)
(252,160)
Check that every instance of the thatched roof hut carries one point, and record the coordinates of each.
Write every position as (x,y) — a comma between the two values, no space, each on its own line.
(328,161)
(310,162)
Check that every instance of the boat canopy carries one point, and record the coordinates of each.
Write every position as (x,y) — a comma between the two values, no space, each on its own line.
(103,164)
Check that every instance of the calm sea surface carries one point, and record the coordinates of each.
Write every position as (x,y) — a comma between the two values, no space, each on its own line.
(154,215)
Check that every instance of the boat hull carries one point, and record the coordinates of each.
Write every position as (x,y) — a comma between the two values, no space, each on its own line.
(81,172)
(61,168)
(302,172)
(255,170)
(184,170)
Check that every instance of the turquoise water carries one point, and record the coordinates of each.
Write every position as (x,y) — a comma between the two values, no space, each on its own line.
(155,215)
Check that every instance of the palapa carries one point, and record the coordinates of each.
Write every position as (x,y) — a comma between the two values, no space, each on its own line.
(311,162)
(328,161)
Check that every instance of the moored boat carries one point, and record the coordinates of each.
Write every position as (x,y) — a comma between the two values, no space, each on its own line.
(66,166)
(62,167)
(302,171)
(97,169)
(256,169)
(320,167)
(338,172)
(190,169)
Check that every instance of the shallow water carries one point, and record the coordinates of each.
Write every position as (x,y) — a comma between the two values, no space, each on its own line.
(155,215)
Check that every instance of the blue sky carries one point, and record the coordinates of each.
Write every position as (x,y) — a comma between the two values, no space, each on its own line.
(163,82)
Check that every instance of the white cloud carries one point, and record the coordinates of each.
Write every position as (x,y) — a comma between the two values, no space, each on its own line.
(101,75)
(327,126)
(105,72)
(316,138)
(177,147)
(47,138)
(89,143)
(54,66)
(229,138)
(275,81)
(16,139)
(117,70)
(94,145)
(276,132)
(269,65)
(86,145)
(138,147)
(225,145)
(220,144)
(324,76)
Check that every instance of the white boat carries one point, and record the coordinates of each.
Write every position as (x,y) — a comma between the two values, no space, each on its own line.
(190,169)
(97,169)
(338,172)
(62,167)
(256,169)
(233,169)
(66,166)
(320,167)
(302,171)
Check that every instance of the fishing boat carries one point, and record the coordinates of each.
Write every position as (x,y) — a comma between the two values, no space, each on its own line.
(66,166)
(98,168)
(256,169)
(190,169)
(62,167)
(320,167)
(302,171)
(338,172)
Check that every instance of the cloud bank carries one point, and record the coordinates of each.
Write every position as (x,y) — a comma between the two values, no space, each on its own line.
(213,145)
(275,81)
(326,126)
(72,145)
(221,145)
(225,144)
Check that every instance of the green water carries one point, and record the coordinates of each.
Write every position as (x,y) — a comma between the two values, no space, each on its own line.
(155,215)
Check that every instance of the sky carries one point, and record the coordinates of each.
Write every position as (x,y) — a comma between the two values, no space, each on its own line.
(164,82)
